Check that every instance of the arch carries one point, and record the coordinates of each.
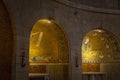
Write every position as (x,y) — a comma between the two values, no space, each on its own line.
(49,50)
(100,43)
(100,53)
(6,44)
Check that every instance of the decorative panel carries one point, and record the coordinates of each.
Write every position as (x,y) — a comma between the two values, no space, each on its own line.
(37,68)
(91,67)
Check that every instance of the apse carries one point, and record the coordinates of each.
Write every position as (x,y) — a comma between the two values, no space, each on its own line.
(100,51)
(49,50)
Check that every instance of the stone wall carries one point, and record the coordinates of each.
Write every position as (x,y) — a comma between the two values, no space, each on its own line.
(76,21)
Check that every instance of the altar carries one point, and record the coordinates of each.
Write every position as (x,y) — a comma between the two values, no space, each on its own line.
(93,76)
(38,76)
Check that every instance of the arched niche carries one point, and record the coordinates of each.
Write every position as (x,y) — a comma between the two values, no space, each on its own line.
(49,50)
(100,54)
(6,44)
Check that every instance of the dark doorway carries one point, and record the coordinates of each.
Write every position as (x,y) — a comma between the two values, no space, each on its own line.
(6,44)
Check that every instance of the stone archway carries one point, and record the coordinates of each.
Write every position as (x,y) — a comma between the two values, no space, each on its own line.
(6,44)
(49,51)
(100,55)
